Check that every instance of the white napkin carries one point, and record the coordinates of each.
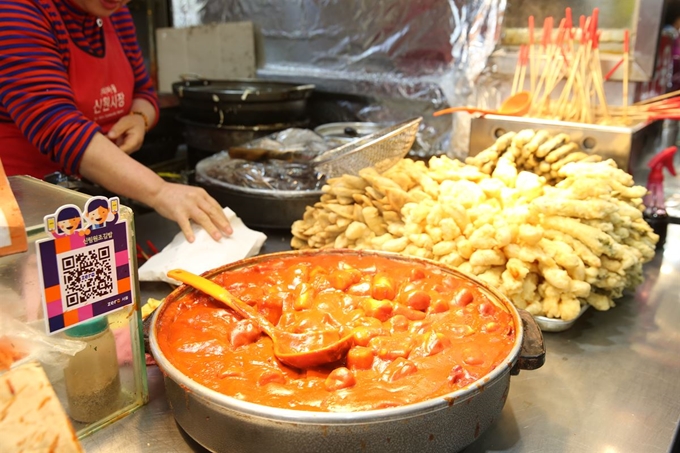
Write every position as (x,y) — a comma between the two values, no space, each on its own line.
(204,253)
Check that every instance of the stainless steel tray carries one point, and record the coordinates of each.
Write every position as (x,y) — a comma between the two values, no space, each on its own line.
(557,325)
(625,145)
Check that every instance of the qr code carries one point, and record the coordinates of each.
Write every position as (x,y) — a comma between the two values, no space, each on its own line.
(87,275)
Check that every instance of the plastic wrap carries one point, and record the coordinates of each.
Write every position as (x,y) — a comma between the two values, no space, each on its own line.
(278,162)
(21,343)
(430,51)
(293,144)
(275,175)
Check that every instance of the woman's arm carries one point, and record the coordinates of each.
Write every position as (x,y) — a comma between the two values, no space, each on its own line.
(129,131)
(34,88)
(36,95)
(147,109)
(104,163)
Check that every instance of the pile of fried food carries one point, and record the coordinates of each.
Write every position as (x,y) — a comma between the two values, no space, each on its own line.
(549,226)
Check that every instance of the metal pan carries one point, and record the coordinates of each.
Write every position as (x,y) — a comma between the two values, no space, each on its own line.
(258,208)
(557,325)
(447,423)
(245,102)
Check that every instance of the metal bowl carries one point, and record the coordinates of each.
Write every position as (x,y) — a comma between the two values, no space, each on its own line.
(262,208)
(557,325)
(242,101)
(258,208)
(203,139)
(445,423)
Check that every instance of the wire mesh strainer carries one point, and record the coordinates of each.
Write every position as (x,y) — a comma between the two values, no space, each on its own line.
(380,150)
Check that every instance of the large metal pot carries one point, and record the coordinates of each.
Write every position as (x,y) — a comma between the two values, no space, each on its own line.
(204,140)
(261,208)
(247,102)
(446,423)
(258,208)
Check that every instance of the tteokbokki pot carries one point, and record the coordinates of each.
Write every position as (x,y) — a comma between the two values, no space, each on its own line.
(429,367)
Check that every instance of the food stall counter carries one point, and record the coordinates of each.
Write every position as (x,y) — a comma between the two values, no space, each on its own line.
(610,383)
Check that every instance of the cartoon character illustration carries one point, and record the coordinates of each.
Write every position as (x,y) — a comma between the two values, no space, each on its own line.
(97,212)
(69,220)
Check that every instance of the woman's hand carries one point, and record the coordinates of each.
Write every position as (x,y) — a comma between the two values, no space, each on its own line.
(128,133)
(183,203)
(107,165)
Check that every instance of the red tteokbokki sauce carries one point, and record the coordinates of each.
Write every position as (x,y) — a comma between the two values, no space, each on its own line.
(418,332)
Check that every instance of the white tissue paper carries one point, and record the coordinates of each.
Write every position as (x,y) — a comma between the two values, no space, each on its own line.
(204,253)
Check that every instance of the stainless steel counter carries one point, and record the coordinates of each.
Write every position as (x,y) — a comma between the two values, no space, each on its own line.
(610,384)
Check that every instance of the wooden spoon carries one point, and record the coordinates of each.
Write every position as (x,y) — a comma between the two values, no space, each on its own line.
(299,350)
(516,105)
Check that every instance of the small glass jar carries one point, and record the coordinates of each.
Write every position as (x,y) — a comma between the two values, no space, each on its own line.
(92,376)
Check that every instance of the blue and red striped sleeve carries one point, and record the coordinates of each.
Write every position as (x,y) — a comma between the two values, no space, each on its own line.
(34,87)
(35,92)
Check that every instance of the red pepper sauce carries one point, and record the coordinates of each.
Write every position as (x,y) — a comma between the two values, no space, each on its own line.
(418,333)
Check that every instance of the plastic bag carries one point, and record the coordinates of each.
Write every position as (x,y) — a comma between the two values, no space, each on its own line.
(20,343)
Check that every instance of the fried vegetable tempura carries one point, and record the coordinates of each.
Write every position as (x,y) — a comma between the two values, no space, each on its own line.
(548,225)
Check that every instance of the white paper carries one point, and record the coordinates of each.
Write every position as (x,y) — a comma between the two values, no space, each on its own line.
(204,253)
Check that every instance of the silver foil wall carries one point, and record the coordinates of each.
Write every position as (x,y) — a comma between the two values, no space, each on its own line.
(410,56)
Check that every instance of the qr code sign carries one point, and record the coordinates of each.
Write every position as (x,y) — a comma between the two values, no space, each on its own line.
(87,275)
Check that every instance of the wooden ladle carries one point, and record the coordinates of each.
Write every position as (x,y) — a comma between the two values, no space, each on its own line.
(516,105)
(299,350)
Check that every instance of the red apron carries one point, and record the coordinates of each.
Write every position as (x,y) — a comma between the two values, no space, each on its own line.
(103,89)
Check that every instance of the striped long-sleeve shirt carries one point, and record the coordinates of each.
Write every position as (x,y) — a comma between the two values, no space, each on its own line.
(34,59)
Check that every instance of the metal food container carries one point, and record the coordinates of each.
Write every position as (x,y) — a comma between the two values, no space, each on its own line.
(261,208)
(214,138)
(203,140)
(258,208)
(558,325)
(625,145)
(445,423)
(244,102)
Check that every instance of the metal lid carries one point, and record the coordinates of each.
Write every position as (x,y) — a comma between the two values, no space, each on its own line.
(240,90)
(348,130)
(89,328)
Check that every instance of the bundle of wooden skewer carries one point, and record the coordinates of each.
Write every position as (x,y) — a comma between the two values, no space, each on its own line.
(566,82)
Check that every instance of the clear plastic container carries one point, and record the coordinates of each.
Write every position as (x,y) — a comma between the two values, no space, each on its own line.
(20,303)
(92,377)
